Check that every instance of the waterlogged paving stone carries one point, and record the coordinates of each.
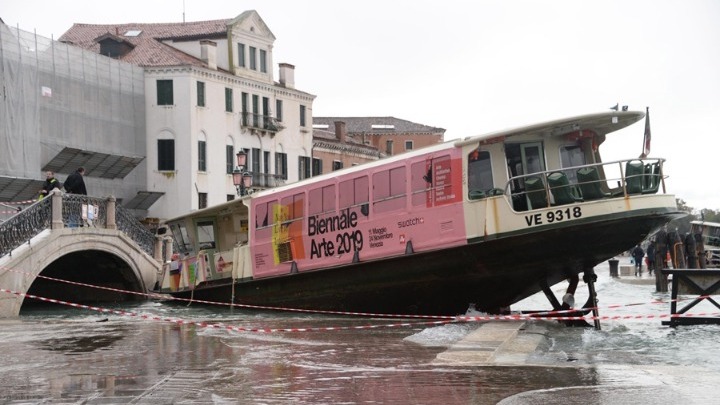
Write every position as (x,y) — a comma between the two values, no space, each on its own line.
(480,346)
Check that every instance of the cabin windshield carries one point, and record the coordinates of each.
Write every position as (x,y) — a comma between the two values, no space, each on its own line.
(480,177)
(206,235)
(182,240)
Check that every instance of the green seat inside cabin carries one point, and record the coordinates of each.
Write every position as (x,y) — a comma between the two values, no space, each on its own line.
(561,189)
(652,178)
(476,194)
(479,194)
(634,176)
(535,190)
(589,183)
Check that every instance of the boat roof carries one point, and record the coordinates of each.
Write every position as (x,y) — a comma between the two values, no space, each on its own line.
(601,123)
(228,206)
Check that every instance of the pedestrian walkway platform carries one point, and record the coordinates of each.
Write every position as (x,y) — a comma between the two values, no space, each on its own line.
(493,343)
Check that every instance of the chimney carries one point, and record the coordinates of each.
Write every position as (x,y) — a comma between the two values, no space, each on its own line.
(340,131)
(208,53)
(287,75)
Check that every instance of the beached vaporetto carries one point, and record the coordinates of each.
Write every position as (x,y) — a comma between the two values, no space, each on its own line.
(485,220)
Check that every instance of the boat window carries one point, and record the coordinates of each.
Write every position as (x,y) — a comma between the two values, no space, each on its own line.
(264,214)
(321,199)
(293,206)
(355,194)
(480,178)
(572,156)
(206,235)
(420,182)
(183,243)
(389,189)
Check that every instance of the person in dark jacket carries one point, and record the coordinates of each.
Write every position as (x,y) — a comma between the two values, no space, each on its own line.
(638,253)
(75,184)
(651,257)
(50,184)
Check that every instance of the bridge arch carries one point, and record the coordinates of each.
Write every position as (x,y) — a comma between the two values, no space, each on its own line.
(95,256)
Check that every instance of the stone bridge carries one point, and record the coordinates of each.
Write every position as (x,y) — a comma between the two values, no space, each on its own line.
(60,246)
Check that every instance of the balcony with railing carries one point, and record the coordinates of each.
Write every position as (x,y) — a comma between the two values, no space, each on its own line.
(266,180)
(264,124)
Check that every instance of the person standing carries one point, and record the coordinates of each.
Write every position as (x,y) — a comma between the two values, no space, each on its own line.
(638,253)
(651,257)
(50,184)
(75,184)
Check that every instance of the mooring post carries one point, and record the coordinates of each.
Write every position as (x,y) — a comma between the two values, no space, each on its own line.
(590,278)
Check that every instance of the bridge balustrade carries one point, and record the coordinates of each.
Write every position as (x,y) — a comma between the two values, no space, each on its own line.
(61,210)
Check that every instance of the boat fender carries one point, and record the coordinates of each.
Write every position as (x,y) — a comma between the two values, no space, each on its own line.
(569,299)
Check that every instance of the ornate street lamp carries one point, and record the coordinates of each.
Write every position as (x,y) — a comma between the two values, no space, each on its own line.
(241,178)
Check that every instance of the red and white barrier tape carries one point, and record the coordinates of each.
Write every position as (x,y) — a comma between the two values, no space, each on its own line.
(459,319)
(247,306)
(19,202)
(544,315)
(221,325)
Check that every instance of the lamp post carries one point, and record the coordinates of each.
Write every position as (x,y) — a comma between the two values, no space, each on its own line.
(241,178)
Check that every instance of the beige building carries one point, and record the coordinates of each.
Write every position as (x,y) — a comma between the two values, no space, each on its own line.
(210,92)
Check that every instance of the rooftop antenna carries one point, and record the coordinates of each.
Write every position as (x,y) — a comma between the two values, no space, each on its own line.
(183,11)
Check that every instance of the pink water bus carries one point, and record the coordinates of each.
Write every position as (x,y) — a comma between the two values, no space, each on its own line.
(487,220)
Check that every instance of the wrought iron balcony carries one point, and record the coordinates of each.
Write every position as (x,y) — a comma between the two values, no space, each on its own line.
(260,122)
(261,181)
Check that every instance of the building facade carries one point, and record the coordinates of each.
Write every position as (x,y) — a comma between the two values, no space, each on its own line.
(210,92)
(347,141)
(334,149)
(62,107)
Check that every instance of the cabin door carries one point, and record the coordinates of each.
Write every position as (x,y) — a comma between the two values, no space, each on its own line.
(523,159)
(532,160)
(532,157)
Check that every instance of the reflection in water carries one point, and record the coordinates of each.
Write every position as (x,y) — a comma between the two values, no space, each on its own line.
(153,362)
(78,344)
(68,356)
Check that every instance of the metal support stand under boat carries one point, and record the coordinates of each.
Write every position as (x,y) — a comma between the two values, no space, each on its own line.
(568,300)
(590,278)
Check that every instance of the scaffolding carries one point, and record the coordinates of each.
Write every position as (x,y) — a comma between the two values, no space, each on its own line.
(56,97)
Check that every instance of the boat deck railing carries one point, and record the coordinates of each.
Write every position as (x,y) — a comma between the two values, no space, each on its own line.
(621,178)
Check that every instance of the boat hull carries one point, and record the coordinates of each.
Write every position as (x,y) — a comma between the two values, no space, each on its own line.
(492,274)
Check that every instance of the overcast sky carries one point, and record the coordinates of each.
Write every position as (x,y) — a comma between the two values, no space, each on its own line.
(478,66)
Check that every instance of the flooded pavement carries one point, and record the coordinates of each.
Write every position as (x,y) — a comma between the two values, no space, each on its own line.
(59,356)
(80,360)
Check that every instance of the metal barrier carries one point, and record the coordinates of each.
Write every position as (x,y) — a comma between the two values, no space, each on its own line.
(585,183)
(703,283)
(73,211)
(27,223)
